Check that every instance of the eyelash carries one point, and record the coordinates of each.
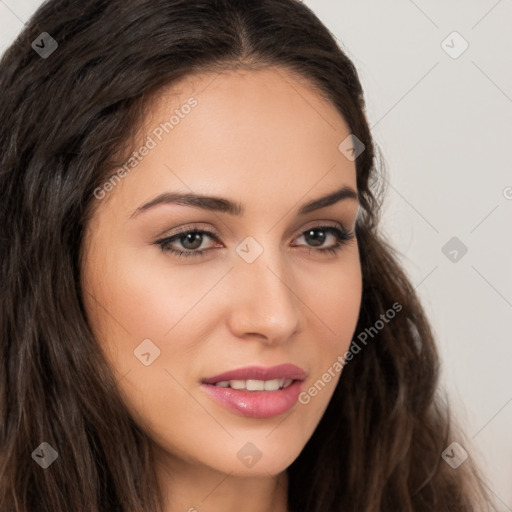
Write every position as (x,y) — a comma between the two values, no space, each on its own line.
(342,237)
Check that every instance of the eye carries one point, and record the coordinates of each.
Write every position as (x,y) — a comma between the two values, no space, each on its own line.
(191,240)
(317,235)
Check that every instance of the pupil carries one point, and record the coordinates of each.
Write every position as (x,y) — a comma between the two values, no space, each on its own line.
(190,237)
(318,240)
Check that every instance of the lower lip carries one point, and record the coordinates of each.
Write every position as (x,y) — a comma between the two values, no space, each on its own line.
(256,404)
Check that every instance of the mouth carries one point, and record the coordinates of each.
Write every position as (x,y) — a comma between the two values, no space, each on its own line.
(273,376)
(255,385)
(256,392)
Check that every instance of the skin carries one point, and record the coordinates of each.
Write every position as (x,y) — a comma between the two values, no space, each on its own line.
(269,141)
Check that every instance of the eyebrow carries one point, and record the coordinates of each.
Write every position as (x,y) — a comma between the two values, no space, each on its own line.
(219,204)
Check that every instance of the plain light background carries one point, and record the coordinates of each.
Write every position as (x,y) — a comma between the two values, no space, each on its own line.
(444,125)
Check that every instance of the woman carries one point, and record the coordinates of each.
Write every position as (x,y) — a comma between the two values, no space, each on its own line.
(199,311)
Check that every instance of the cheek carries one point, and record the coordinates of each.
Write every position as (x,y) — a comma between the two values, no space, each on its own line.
(143,302)
(150,306)
(333,293)
(336,302)
(145,294)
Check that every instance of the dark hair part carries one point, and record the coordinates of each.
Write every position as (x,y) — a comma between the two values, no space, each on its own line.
(379,443)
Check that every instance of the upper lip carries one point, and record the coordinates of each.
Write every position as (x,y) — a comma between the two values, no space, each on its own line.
(287,371)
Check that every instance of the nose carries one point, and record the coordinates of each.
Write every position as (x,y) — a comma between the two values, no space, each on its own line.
(265,300)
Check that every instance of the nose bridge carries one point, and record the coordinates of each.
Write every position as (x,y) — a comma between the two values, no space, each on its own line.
(264,301)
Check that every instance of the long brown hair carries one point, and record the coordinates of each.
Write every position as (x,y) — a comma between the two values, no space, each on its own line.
(64,115)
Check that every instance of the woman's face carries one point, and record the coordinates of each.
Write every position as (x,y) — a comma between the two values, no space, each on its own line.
(257,292)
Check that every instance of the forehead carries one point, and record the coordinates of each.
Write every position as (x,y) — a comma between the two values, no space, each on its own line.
(251,133)
(239,103)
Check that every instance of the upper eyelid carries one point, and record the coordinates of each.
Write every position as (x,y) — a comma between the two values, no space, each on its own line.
(214,233)
(216,237)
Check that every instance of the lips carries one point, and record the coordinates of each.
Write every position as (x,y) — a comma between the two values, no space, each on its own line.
(240,391)
(282,371)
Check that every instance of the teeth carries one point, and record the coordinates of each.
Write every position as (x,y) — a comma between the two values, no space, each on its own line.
(237,384)
(256,385)
(271,385)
